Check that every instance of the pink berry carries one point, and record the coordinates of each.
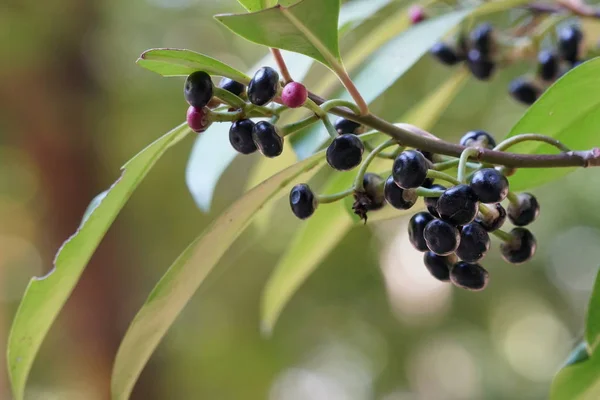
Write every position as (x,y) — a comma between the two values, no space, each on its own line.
(197,120)
(294,95)
(416,14)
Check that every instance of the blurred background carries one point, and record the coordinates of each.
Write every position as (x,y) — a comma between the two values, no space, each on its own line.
(369,324)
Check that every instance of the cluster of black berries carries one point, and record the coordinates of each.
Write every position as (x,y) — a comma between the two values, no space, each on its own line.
(551,65)
(245,135)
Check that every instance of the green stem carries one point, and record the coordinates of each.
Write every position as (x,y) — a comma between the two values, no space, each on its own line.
(505,236)
(447,164)
(534,137)
(296,126)
(224,116)
(513,198)
(311,105)
(424,192)
(358,181)
(483,209)
(328,105)
(442,176)
(227,97)
(331,198)
(462,162)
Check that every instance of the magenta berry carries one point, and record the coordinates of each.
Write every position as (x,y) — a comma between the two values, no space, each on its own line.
(416,14)
(197,119)
(294,95)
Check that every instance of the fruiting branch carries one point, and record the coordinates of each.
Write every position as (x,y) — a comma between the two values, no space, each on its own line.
(281,65)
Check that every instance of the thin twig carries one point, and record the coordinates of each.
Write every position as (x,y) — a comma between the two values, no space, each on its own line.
(281,65)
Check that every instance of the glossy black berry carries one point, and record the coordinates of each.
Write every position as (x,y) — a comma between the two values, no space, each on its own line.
(399,198)
(438,266)
(493,220)
(240,136)
(469,276)
(345,152)
(410,169)
(569,39)
(373,189)
(303,201)
(198,89)
(478,139)
(444,54)
(232,86)
(523,91)
(441,237)
(482,38)
(431,202)
(343,125)
(458,205)
(474,243)
(547,65)
(489,185)
(263,86)
(265,136)
(416,226)
(524,211)
(480,66)
(520,248)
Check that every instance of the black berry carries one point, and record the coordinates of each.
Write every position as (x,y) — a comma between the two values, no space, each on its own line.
(520,248)
(410,169)
(373,188)
(569,39)
(263,86)
(444,54)
(431,202)
(343,125)
(547,65)
(478,139)
(489,185)
(198,89)
(399,198)
(240,136)
(480,66)
(345,152)
(458,205)
(474,243)
(438,266)
(482,38)
(441,237)
(265,136)
(493,220)
(416,226)
(302,201)
(525,211)
(232,86)
(523,91)
(469,276)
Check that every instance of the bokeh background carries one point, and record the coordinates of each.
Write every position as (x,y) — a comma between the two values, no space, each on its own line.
(369,324)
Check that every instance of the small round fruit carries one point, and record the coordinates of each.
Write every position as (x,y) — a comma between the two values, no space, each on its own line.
(441,237)
(294,95)
(489,185)
(482,38)
(416,14)
(399,198)
(547,65)
(431,202)
(569,39)
(263,86)
(494,220)
(444,54)
(197,119)
(343,125)
(345,152)
(265,136)
(480,66)
(525,211)
(198,89)
(469,276)
(303,201)
(474,243)
(458,205)
(410,169)
(416,226)
(373,186)
(438,266)
(232,86)
(520,248)
(240,136)
(523,91)
(478,139)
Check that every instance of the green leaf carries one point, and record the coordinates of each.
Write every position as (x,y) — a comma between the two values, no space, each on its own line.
(257,5)
(579,381)
(356,12)
(568,111)
(45,296)
(592,324)
(308,27)
(387,65)
(185,275)
(181,62)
